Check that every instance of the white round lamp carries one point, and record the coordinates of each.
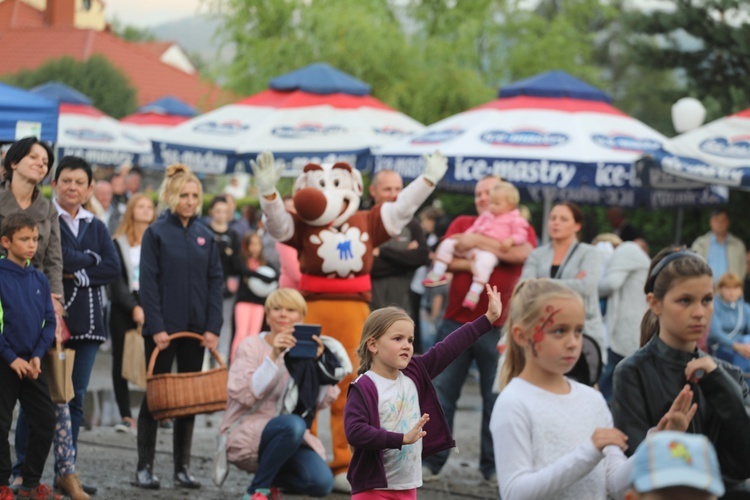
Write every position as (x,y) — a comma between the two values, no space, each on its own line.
(687,114)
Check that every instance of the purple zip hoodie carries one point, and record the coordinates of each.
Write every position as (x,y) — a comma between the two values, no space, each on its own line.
(362,421)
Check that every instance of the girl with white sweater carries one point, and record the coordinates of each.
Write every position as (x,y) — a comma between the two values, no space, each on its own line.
(553,437)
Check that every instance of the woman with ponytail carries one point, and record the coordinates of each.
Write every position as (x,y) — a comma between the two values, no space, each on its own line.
(181,287)
(680,290)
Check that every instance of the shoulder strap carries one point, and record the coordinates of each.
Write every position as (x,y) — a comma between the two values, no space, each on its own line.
(558,274)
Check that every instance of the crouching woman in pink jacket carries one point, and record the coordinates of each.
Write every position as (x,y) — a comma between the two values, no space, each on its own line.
(275,395)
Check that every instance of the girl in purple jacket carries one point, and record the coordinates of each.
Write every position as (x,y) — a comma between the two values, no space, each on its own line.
(392,404)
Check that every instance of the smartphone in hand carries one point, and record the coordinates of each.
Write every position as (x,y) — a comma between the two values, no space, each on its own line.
(306,347)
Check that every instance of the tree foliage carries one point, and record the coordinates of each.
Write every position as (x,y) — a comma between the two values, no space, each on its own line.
(705,39)
(131,33)
(109,88)
(429,58)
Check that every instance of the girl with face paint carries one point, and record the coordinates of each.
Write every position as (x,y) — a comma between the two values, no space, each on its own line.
(553,437)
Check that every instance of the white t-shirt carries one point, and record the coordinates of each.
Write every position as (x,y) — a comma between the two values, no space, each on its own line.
(543,446)
(135,258)
(398,407)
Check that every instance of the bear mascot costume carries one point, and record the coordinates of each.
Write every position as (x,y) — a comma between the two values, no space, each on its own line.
(335,240)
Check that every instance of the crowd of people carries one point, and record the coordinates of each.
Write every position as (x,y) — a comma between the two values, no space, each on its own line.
(603,372)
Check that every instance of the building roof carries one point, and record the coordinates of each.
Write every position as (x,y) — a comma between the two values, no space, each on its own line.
(19,14)
(27,40)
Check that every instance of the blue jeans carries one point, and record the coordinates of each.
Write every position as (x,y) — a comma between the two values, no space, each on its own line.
(287,462)
(605,380)
(450,382)
(82,366)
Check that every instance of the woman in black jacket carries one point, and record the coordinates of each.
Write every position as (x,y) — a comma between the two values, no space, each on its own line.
(180,290)
(679,290)
(127,312)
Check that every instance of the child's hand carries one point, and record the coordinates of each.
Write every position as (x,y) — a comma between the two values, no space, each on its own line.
(604,437)
(699,368)
(494,304)
(417,433)
(742,349)
(35,366)
(21,367)
(506,244)
(680,413)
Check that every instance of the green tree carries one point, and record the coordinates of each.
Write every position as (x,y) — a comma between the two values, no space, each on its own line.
(108,87)
(706,40)
(131,33)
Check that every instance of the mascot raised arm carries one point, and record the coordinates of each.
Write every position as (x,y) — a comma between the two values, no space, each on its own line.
(335,240)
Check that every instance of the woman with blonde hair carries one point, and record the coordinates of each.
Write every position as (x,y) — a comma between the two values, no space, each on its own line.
(180,290)
(126,312)
(265,437)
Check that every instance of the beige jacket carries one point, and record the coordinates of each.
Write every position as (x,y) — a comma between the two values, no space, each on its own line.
(735,253)
(244,441)
(48,257)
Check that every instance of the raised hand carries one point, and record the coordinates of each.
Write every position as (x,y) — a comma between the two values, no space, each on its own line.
(436,165)
(494,304)
(266,173)
(603,437)
(417,433)
(680,413)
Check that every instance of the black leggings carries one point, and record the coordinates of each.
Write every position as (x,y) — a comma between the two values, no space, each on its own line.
(119,323)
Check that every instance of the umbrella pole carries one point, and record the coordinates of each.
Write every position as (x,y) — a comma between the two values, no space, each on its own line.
(545,217)
(680,216)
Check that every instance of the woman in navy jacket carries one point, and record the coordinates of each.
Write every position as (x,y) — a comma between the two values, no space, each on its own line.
(180,290)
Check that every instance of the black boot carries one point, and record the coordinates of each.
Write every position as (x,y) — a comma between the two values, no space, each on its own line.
(181,446)
(147,427)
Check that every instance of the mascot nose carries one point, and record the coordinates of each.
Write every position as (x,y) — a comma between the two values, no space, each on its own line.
(310,203)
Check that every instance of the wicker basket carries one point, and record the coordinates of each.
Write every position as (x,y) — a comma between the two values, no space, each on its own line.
(174,395)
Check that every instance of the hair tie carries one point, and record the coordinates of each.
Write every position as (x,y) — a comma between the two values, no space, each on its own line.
(663,263)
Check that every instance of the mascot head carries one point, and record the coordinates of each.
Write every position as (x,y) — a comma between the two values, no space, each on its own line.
(327,195)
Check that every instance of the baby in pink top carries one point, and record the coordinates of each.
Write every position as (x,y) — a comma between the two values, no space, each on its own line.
(502,222)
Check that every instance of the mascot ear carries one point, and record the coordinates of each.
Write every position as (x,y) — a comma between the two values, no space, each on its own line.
(357,181)
(301,181)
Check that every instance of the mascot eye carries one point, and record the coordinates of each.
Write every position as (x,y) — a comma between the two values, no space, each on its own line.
(322,183)
(336,182)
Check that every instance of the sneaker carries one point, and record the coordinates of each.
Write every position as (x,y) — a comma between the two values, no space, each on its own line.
(433,280)
(41,492)
(272,494)
(16,484)
(428,475)
(6,493)
(470,301)
(491,478)
(341,484)
(127,425)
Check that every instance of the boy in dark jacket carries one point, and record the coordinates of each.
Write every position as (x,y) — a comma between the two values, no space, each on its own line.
(27,330)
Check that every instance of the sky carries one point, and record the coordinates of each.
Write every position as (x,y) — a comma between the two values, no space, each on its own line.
(145,13)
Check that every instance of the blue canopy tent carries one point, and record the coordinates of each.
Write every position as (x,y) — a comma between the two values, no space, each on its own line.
(169,106)
(556,138)
(61,93)
(24,113)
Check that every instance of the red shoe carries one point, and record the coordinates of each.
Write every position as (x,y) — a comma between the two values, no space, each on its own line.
(470,301)
(6,493)
(41,492)
(434,280)
(276,494)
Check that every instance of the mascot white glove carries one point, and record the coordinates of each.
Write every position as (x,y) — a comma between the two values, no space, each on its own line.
(435,167)
(266,173)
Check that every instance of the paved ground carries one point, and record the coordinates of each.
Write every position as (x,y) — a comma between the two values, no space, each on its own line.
(108,459)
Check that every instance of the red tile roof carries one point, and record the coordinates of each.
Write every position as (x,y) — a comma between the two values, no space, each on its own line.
(26,42)
(19,14)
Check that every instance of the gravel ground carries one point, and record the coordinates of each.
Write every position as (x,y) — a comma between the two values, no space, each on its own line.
(108,459)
